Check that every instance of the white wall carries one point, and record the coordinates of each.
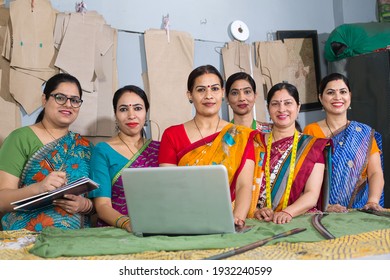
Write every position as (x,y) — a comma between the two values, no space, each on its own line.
(359,11)
(208,23)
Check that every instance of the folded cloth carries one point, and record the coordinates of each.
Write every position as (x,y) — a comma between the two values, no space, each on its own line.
(54,242)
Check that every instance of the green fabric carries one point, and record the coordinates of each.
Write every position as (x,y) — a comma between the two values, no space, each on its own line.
(17,148)
(54,242)
(358,38)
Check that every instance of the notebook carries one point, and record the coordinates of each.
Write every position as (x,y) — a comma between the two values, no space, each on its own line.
(185,200)
(77,187)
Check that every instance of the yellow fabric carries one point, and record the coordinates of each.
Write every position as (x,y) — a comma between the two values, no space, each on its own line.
(228,149)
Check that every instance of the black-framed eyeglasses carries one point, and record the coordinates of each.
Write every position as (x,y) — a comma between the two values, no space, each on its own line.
(61,99)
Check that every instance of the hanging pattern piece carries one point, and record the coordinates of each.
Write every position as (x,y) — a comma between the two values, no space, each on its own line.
(166,26)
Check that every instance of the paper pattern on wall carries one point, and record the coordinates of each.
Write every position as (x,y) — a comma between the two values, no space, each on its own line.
(97,110)
(23,81)
(9,117)
(107,85)
(271,58)
(32,34)
(168,67)
(9,110)
(92,59)
(77,51)
(85,124)
(4,63)
(31,54)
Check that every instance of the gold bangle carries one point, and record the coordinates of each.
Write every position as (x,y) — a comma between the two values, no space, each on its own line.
(117,220)
(125,223)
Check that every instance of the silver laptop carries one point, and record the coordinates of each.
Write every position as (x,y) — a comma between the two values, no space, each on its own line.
(185,200)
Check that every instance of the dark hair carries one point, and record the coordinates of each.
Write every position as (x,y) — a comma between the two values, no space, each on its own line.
(292,91)
(199,71)
(53,83)
(239,76)
(332,77)
(130,88)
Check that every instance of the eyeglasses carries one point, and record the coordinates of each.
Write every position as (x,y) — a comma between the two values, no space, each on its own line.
(61,99)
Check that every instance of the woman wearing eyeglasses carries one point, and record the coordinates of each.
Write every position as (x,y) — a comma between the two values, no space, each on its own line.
(45,156)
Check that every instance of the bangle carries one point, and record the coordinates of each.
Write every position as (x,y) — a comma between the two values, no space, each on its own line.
(90,208)
(287,213)
(117,220)
(125,223)
(372,202)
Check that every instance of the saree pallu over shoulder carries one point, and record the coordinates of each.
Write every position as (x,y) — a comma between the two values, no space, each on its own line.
(309,150)
(352,148)
(146,156)
(71,154)
(229,147)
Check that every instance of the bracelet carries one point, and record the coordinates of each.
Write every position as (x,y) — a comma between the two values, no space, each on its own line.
(90,208)
(117,220)
(287,213)
(125,223)
(372,202)
(91,211)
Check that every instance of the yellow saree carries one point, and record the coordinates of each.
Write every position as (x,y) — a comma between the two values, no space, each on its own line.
(230,147)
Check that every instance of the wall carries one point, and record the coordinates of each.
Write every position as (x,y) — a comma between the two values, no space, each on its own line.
(208,23)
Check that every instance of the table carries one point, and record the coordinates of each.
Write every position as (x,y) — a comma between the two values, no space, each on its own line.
(358,235)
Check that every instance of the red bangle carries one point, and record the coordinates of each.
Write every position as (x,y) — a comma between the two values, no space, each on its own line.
(287,213)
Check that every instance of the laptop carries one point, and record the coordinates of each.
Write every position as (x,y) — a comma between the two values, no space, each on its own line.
(178,200)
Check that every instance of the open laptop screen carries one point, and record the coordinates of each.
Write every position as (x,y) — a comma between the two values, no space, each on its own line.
(178,200)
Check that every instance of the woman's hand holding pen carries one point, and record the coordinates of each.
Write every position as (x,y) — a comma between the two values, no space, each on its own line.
(52,181)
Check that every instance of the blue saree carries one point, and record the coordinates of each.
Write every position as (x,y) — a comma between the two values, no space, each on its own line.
(352,146)
(71,154)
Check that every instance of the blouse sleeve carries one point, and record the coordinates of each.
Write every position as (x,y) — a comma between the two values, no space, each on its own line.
(251,150)
(100,172)
(374,147)
(314,129)
(16,149)
(168,150)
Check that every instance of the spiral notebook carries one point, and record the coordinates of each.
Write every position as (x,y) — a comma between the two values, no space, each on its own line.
(185,200)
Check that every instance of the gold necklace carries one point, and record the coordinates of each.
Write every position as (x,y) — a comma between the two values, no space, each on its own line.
(128,145)
(197,127)
(341,142)
(48,131)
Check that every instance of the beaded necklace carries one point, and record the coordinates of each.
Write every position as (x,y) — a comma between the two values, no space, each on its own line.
(290,175)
